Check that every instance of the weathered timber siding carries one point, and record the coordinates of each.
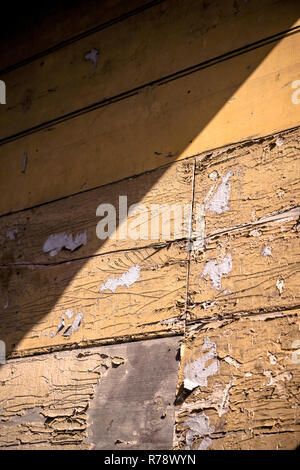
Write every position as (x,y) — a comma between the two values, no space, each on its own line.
(185,338)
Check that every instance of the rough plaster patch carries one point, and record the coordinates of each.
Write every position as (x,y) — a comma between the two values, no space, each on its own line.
(266,251)
(199,426)
(92,55)
(196,373)
(219,202)
(126,279)
(216,270)
(61,240)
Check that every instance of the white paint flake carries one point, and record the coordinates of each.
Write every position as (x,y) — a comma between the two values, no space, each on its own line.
(198,426)
(279,141)
(92,55)
(61,240)
(196,373)
(11,234)
(219,202)
(280,285)
(69,313)
(266,251)
(126,279)
(216,270)
(272,358)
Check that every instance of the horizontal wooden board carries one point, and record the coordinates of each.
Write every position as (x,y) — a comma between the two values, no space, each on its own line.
(245,386)
(265,180)
(24,235)
(160,41)
(43,408)
(53,23)
(253,98)
(249,270)
(242,184)
(120,295)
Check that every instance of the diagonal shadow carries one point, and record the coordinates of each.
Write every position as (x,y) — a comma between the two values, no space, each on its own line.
(176,133)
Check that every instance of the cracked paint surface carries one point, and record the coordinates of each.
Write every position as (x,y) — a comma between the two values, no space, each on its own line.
(252,400)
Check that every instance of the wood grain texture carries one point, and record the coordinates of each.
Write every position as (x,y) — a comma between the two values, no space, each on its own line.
(254,269)
(101,299)
(53,23)
(160,41)
(23,235)
(55,401)
(244,183)
(249,400)
(44,400)
(254,98)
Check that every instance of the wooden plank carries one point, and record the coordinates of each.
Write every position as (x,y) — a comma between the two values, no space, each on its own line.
(65,81)
(276,160)
(248,270)
(53,23)
(24,236)
(244,395)
(101,299)
(74,155)
(43,408)
(244,183)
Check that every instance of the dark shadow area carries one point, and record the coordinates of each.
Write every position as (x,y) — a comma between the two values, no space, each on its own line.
(173,140)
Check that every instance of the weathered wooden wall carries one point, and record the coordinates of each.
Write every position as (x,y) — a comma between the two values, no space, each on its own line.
(165,102)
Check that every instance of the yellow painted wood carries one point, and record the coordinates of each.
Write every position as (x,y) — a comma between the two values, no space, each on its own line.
(244,97)
(160,41)
(23,235)
(264,181)
(111,297)
(64,400)
(255,269)
(56,390)
(244,183)
(248,399)
(54,24)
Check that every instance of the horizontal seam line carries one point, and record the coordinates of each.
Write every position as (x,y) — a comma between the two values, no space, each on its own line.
(190,157)
(80,36)
(158,82)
